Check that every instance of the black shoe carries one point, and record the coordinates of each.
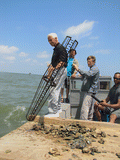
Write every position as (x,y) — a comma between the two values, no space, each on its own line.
(67,100)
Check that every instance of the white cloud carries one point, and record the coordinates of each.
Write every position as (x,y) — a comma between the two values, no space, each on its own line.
(43,55)
(87,46)
(94,38)
(103,51)
(8,50)
(80,30)
(32,61)
(2,63)
(42,64)
(10,58)
(23,54)
(35,61)
(28,60)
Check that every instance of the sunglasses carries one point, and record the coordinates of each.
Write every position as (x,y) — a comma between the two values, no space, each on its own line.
(116,78)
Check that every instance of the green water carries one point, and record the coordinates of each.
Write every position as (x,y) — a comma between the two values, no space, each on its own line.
(16,93)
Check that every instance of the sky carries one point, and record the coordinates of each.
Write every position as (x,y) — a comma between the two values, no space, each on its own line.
(25,24)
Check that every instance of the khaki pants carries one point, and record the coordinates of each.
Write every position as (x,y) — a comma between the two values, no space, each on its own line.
(87,108)
(54,103)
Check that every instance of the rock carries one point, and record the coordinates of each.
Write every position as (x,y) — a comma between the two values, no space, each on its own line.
(103,134)
(47,131)
(74,155)
(93,140)
(92,153)
(79,143)
(53,133)
(85,150)
(92,129)
(101,141)
(37,127)
(118,154)
(8,151)
(68,138)
(94,149)
(94,134)
(115,136)
(65,149)
(88,141)
(76,136)
(37,133)
(88,134)
(54,151)
(104,151)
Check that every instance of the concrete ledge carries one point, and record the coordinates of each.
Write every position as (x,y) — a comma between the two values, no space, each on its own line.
(26,144)
(61,121)
(65,111)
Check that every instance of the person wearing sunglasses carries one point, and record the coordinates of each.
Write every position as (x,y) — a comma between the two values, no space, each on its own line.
(114,98)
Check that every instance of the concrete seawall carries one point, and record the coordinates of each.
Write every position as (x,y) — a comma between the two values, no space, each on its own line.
(26,144)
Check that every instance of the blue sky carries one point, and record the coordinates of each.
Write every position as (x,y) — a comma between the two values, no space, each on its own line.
(25,25)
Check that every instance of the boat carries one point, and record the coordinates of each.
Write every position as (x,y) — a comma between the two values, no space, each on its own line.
(72,109)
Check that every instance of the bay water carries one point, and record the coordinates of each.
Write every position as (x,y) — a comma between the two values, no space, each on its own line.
(16,93)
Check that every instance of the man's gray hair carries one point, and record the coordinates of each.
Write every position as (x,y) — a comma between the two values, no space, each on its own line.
(52,35)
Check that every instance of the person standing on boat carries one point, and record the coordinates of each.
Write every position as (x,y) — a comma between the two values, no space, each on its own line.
(114,98)
(71,72)
(58,61)
(89,86)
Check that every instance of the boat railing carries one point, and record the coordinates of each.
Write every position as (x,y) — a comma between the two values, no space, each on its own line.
(75,92)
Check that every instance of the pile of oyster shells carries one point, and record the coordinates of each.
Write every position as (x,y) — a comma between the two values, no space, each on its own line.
(75,135)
